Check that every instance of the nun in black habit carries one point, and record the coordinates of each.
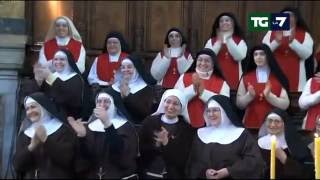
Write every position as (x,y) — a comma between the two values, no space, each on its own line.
(45,144)
(287,165)
(165,138)
(65,86)
(223,149)
(109,142)
(133,86)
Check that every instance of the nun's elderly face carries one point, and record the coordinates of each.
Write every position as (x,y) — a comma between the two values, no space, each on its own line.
(214,116)
(172,107)
(60,61)
(225,23)
(204,63)
(113,46)
(275,125)
(33,111)
(103,102)
(260,58)
(174,39)
(127,69)
(62,27)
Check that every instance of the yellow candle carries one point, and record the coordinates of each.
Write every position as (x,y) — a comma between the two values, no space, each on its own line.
(273,158)
(317,156)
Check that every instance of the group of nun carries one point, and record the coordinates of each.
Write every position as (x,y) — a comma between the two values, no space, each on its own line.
(109,124)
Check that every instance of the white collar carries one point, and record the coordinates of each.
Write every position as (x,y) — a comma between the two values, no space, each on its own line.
(263,74)
(169,121)
(204,75)
(175,52)
(265,142)
(115,57)
(98,126)
(135,84)
(64,77)
(226,135)
(51,126)
(63,41)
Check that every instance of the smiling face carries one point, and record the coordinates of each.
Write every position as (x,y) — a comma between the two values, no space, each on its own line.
(127,69)
(275,125)
(213,116)
(61,27)
(60,61)
(204,63)
(225,24)
(174,39)
(172,107)
(33,111)
(260,58)
(113,46)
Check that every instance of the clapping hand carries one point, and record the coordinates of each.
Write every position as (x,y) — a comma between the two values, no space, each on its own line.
(251,90)
(279,36)
(124,88)
(78,126)
(267,89)
(102,114)
(161,137)
(166,52)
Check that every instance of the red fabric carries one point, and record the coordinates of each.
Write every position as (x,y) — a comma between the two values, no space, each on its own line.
(259,107)
(313,111)
(107,69)
(288,60)
(196,106)
(228,65)
(172,75)
(51,47)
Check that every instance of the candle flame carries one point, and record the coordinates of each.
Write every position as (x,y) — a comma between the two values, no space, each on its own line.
(316,135)
(273,137)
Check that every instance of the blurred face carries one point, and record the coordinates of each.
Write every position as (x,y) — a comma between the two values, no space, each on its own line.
(174,39)
(33,112)
(59,61)
(225,24)
(275,125)
(260,58)
(103,102)
(292,19)
(113,46)
(172,107)
(204,63)
(214,116)
(62,28)
(127,70)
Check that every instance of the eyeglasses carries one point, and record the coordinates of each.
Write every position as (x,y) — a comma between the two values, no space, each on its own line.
(61,24)
(213,110)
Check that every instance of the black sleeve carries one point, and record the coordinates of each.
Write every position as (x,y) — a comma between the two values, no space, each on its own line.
(23,160)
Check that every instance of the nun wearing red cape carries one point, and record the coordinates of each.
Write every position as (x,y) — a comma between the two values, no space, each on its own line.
(45,144)
(287,165)
(108,141)
(223,149)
